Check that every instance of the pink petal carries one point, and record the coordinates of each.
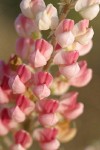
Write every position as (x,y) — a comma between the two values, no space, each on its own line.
(41,91)
(3,129)
(52,145)
(70,71)
(16,85)
(37,59)
(17,114)
(3,97)
(48,119)
(65,39)
(24,73)
(24,138)
(73,114)
(66,58)
(17,147)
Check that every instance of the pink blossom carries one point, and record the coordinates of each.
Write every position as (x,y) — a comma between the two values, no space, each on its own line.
(67,63)
(16,85)
(59,86)
(47,138)
(83,77)
(82,33)
(23,138)
(64,33)
(41,53)
(25,26)
(83,49)
(47,111)
(17,147)
(48,19)
(69,107)
(24,73)
(26,105)
(6,123)
(3,96)
(24,46)
(17,114)
(42,82)
(30,8)
(88,9)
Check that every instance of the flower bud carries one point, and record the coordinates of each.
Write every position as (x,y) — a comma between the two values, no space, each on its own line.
(30,8)
(41,53)
(88,9)
(48,19)
(24,46)
(23,138)
(64,33)
(25,26)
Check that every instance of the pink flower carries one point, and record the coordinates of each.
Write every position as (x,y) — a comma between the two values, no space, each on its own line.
(17,114)
(59,86)
(26,105)
(82,33)
(6,123)
(69,107)
(48,19)
(3,96)
(23,107)
(41,53)
(25,26)
(83,49)
(83,77)
(30,8)
(64,33)
(24,73)
(17,147)
(24,46)
(47,111)
(23,138)
(47,138)
(16,85)
(42,82)
(67,63)
(88,9)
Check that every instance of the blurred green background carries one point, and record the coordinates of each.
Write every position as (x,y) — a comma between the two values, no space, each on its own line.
(89,123)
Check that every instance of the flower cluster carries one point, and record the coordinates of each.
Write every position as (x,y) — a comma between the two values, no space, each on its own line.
(34,102)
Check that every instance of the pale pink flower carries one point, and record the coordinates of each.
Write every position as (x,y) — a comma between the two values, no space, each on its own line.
(17,114)
(25,26)
(88,9)
(30,8)
(3,129)
(41,53)
(83,49)
(67,63)
(69,107)
(3,96)
(47,111)
(17,147)
(59,86)
(42,82)
(24,46)
(23,138)
(16,85)
(64,33)
(83,34)
(83,77)
(48,19)
(47,138)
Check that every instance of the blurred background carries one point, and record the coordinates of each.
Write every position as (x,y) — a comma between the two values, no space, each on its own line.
(89,123)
